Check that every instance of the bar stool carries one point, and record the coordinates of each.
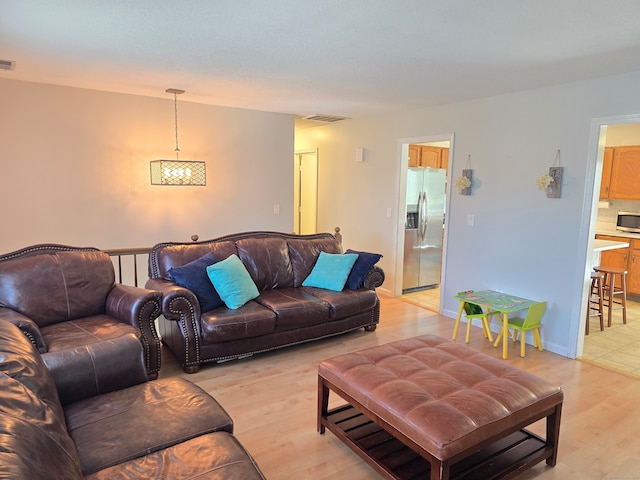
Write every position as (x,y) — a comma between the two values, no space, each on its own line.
(610,290)
(595,301)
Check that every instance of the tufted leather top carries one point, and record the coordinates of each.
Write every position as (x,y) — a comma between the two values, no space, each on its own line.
(442,395)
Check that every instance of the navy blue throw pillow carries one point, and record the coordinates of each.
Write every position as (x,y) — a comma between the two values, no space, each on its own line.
(363,264)
(194,276)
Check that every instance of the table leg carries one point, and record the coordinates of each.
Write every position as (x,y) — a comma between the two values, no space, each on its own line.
(505,336)
(457,325)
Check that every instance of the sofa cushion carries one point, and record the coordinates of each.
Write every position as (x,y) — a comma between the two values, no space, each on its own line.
(194,276)
(294,307)
(223,325)
(267,261)
(304,252)
(345,303)
(51,288)
(107,429)
(232,282)
(330,271)
(364,263)
(196,462)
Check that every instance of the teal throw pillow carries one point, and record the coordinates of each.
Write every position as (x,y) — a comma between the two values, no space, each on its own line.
(331,271)
(232,282)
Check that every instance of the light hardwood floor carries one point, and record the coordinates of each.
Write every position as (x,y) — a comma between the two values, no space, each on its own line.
(272,399)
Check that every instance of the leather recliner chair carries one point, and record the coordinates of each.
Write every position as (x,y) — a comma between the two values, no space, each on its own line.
(66,301)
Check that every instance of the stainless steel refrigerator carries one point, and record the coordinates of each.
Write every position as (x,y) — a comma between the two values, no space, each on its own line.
(423,228)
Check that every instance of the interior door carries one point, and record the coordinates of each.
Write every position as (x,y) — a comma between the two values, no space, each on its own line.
(306,219)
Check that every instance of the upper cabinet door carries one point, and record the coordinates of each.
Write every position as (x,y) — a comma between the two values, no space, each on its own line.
(605,185)
(625,174)
(414,156)
(430,157)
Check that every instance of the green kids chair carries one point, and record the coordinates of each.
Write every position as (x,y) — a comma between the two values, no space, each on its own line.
(531,321)
(472,311)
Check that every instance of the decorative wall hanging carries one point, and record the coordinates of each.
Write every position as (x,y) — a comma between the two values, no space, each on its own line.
(178,172)
(463,183)
(551,182)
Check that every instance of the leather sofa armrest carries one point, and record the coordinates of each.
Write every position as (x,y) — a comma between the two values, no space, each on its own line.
(177,301)
(181,305)
(139,307)
(26,326)
(374,278)
(115,364)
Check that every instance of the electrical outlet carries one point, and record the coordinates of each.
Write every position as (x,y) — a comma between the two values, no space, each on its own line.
(471,218)
(276,209)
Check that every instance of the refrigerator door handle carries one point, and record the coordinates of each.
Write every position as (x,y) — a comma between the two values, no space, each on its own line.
(424,219)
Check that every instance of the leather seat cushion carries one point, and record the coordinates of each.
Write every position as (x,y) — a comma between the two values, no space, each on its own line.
(250,320)
(444,396)
(106,429)
(345,303)
(191,460)
(84,331)
(294,307)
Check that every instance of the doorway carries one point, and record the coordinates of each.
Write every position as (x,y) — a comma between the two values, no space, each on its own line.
(305,189)
(615,348)
(422,224)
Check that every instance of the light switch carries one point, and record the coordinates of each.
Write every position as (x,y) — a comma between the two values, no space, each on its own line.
(471,218)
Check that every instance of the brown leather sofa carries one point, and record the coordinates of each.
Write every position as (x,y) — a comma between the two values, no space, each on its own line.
(285,312)
(168,428)
(66,301)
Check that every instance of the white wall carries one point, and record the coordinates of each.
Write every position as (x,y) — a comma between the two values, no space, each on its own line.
(522,242)
(75,168)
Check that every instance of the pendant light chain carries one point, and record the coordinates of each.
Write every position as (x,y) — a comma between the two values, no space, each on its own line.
(175,106)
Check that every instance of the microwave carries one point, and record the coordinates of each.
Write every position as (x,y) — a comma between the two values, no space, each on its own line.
(628,222)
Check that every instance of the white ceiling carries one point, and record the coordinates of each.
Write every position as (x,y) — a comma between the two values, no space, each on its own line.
(341,57)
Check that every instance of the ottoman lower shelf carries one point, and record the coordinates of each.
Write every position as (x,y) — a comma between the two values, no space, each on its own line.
(391,458)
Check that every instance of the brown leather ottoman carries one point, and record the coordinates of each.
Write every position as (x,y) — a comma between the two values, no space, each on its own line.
(429,406)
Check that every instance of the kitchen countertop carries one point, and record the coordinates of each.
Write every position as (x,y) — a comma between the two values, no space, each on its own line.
(616,233)
(602,245)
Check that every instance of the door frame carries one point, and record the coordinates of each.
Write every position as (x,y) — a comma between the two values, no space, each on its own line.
(403,166)
(597,138)
(297,194)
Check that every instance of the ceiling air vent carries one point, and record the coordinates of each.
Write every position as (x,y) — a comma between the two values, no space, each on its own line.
(7,65)
(325,118)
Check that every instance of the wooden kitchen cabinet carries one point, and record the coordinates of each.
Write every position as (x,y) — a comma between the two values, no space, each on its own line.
(633,268)
(627,258)
(414,156)
(625,173)
(617,258)
(428,157)
(606,173)
(444,159)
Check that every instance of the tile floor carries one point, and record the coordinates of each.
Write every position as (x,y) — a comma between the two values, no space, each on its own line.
(429,299)
(617,348)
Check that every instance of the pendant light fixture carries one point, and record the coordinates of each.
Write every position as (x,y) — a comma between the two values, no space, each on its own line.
(178,172)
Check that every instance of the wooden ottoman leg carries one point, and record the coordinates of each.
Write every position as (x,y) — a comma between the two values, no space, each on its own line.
(323,403)
(440,470)
(553,434)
